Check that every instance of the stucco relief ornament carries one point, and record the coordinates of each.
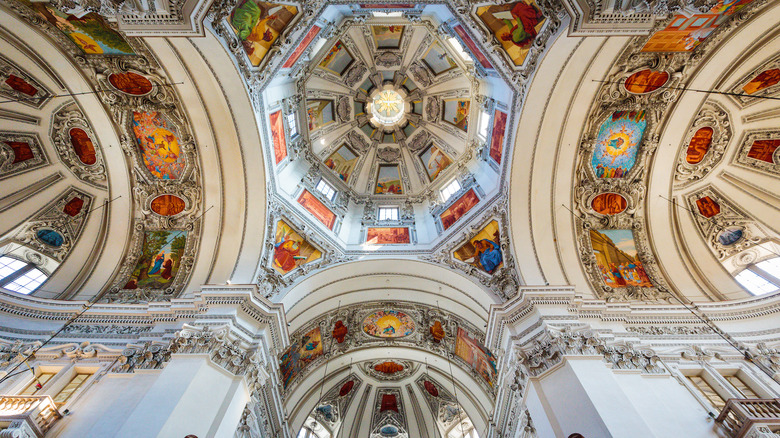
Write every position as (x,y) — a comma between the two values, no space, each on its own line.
(388,154)
(10,73)
(355,74)
(343,111)
(421,74)
(704,144)
(388,59)
(9,162)
(77,145)
(419,141)
(433,109)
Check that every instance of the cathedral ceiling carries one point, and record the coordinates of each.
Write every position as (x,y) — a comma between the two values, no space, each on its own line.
(142,164)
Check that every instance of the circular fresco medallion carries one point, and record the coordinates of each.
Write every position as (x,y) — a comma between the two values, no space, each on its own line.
(130,83)
(388,430)
(646,81)
(730,236)
(50,237)
(167,205)
(388,324)
(608,203)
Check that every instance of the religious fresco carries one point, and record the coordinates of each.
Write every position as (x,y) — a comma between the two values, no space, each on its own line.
(319,112)
(459,208)
(438,60)
(83,146)
(617,258)
(685,33)
(258,24)
(699,145)
(388,180)
(291,250)
(18,84)
(296,54)
(515,26)
(73,207)
(338,59)
(160,259)
(707,207)
(646,81)
(339,331)
(456,113)
(765,79)
(763,150)
(387,236)
(730,236)
(387,37)
(130,83)
(481,58)
(50,237)
(617,144)
(22,151)
(608,203)
(388,324)
(299,354)
(159,145)
(90,31)
(343,162)
(167,205)
(317,209)
(497,138)
(277,133)
(483,250)
(434,161)
(468,348)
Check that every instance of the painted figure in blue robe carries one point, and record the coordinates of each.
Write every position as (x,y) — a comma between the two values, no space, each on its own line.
(489,254)
(157,264)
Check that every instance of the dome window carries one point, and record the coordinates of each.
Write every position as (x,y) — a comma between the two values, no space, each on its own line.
(450,189)
(20,276)
(292,125)
(388,213)
(326,189)
(761,278)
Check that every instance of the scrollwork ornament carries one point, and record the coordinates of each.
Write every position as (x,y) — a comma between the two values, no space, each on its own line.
(712,115)
(65,119)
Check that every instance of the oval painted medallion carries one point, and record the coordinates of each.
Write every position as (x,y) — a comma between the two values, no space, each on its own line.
(699,145)
(608,203)
(167,205)
(388,324)
(50,237)
(730,236)
(646,81)
(130,83)
(83,146)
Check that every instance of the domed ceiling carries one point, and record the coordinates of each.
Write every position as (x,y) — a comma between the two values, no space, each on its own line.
(256,142)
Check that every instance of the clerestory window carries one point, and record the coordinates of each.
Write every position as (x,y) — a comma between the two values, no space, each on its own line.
(761,278)
(20,276)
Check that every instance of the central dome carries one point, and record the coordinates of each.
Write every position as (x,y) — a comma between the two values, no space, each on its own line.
(387,107)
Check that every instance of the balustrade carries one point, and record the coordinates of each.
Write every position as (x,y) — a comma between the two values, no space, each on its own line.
(741,415)
(28,413)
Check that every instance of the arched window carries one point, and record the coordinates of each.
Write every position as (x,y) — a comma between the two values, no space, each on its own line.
(762,277)
(20,276)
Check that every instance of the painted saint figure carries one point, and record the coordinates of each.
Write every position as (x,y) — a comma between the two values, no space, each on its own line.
(158,262)
(489,254)
(523,24)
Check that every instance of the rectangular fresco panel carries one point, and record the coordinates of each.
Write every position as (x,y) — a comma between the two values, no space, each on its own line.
(387,37)
(319,112)
(438,60)
(277,131)
(468,348)
(617,144)
(338,59)
(458,209)
(435,161)
(481,58)
(300,354)
(515,26)
(90,32)
(617,258)
(497,138)
(765,79)
(161,254)
(763,150)
(685,33)
(456,112)
(388,180)
(291,250)
(296,54)
(159,145)
(317,209)
(387,236)
(258,24)
(343,162)
(483,250)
